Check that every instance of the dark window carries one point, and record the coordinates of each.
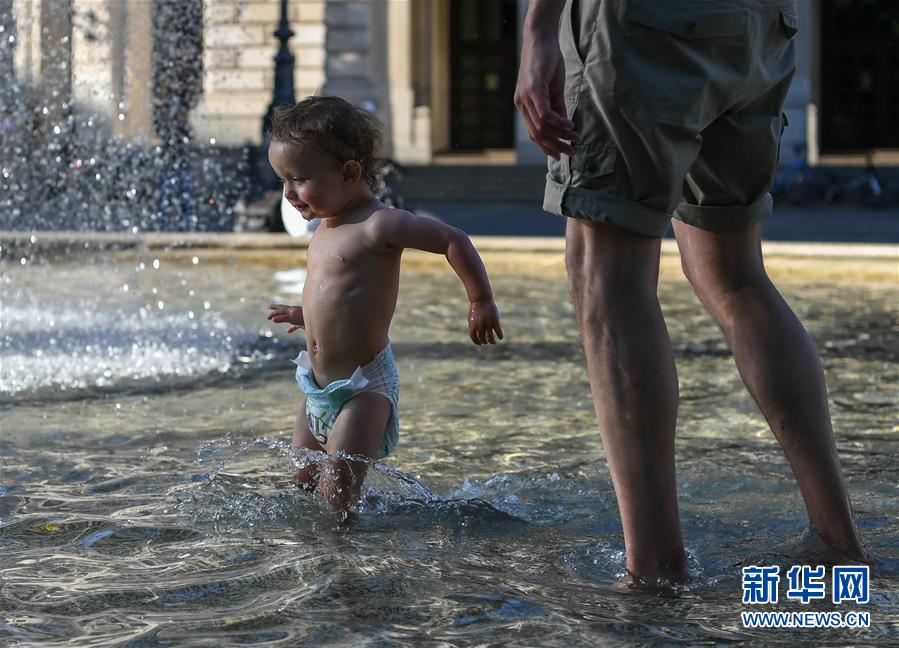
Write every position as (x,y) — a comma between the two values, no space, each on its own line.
(859,75)
(483,43)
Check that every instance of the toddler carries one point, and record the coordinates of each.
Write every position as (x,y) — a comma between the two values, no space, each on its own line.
(326,152)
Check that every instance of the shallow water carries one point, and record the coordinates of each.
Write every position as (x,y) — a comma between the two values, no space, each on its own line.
(144,496)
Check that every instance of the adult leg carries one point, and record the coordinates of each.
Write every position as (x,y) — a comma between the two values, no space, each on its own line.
(779,366)
(306,477)
(613,278)
(358,430)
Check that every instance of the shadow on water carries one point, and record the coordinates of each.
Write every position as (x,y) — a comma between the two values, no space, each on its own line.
(254,357)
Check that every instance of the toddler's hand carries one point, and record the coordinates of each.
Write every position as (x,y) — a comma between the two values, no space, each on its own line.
(483,322)
(284,313)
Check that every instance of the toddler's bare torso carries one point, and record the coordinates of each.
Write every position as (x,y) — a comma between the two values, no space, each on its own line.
(348,299)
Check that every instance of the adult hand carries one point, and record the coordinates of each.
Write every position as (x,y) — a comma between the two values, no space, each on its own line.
(284,313)
(540,93)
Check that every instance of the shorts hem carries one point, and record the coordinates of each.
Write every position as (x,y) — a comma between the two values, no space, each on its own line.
(584,204)
(725,218)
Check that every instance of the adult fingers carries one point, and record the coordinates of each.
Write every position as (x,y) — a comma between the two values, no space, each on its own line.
(552,120)
(536,137)
(548,117)
(548,130)
(529,124)
(552,129)
(490,337)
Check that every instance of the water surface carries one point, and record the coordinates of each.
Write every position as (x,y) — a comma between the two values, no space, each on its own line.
(145,500)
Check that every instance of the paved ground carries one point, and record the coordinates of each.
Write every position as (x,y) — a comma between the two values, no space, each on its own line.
(829,224)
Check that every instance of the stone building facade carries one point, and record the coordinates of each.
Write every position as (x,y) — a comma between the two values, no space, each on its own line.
(439,73)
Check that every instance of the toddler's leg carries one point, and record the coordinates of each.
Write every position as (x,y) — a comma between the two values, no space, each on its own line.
(306,477)
(359,430)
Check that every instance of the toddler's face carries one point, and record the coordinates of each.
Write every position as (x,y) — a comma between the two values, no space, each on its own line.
(312,181)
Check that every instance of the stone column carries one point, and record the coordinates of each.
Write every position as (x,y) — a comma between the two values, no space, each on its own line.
(27,51)
(378,63)
(348,38)
(132,56)
(526,151)
(93,61)
(56,60)
(7,48)
(801,100)
(440,75)
(8,88)
(410,123)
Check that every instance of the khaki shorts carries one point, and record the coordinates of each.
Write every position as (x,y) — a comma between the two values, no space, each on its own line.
(679,104)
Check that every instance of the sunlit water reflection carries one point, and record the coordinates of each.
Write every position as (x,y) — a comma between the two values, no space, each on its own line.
(145,497)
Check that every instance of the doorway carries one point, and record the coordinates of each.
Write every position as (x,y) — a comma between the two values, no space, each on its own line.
(483,69)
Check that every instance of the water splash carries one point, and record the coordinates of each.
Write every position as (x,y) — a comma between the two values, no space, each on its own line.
(64,163)
(248,484)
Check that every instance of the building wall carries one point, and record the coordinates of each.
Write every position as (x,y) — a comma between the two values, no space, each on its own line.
(394,54)
(93,78)
(526,151)
(27,40)
(239,66)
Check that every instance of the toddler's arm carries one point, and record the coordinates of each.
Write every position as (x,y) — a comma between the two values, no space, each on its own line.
(284,313)
(395,228)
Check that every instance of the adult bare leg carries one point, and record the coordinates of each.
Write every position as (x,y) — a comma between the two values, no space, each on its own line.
(779,366)
(613,278)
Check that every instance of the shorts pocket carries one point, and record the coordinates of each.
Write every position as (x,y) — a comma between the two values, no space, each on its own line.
(572,37)
(690,19)
(577,29)
(681,62)
(790,23)
(591,165)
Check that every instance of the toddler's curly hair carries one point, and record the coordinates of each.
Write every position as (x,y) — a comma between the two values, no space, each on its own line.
(336,127)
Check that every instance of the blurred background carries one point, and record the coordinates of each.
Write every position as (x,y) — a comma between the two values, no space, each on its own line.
(149,114)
